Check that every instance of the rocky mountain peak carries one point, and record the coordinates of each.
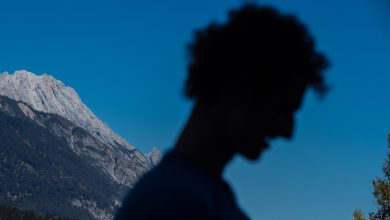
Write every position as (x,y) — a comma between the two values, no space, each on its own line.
(47,94)
(154,156)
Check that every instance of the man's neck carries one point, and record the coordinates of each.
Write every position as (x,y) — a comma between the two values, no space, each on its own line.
(202,142)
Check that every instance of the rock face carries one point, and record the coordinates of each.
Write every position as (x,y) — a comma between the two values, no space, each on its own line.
(154,156)
(46,94)
(50,165)
(56,156)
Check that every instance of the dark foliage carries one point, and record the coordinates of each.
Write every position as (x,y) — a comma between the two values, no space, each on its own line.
(381,193)
(12,213)
(39,172)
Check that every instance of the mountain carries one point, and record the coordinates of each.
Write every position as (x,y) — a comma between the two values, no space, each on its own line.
(46,94)
(12,213)
(46,165)
(56,156)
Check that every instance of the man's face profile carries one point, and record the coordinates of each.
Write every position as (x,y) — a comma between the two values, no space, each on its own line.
(256,68)
(253,123)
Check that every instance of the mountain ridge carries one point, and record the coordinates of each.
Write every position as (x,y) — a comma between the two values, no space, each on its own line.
(40,171)
(46,94)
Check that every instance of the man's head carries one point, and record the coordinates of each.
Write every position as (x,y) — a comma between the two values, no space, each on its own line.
(256,68)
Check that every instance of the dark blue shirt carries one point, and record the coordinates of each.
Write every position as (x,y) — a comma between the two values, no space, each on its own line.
(178,189)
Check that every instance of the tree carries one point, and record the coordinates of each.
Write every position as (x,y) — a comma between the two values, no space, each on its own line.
(358,215)
(381,193)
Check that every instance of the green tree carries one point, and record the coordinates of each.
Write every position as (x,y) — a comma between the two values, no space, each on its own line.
(381,193)
(358,215)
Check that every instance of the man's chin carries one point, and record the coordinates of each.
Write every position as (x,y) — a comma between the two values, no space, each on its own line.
(253,154)
(251,157)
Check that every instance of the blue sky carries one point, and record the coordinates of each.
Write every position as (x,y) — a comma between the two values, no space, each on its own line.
(127,61)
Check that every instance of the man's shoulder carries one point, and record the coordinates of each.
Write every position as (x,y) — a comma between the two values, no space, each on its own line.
(176,189)
(166,205)
(172,190)
(174,177)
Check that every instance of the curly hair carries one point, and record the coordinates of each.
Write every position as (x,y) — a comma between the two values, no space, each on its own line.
(258,50)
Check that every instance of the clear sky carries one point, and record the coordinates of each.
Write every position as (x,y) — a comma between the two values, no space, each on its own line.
(127,61)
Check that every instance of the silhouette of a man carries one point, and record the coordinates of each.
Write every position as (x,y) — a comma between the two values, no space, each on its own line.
(247,78)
